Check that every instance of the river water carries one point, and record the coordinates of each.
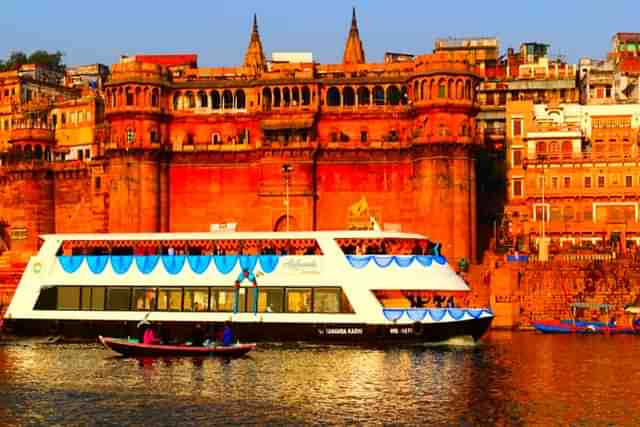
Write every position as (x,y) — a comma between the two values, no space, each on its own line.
(510,378)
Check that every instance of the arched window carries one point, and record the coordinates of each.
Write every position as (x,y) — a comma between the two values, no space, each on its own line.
(63,119)
(378,95)
(286,97)
(38,153)
(266,98)
(348,96)
(240,99)
(28,154)
(569,213)
(276,97)
(191,101)
(467,89)
(416,90)
(333,97)
(227,100)
(295,96)
(464,130)
(176,101)
(459,89)
(215,100)
(393,95)
(424,89)
(203,99)
(155,98)
(451,90)
(131,135)
(215,138)
(54,121)
(129,96)
(306,96)
(363,96)
(442,89)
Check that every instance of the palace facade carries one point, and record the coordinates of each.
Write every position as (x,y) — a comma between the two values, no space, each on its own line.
(161,144)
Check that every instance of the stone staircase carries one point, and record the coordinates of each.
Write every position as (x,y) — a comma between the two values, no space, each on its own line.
(10,274)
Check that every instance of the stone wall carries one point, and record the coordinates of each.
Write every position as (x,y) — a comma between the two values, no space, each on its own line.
(521,294)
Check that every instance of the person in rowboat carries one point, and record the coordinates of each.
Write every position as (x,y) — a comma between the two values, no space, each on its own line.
(150,336)
(227,334)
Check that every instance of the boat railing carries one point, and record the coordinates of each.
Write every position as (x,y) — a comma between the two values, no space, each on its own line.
(436,314)
(173,264)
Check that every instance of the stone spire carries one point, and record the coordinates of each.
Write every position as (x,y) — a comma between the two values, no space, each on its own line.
(353,51)
(254,58)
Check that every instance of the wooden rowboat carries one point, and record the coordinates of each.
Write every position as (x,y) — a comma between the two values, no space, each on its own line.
(129,348)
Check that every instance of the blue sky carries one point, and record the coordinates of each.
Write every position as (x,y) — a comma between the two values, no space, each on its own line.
(218,30)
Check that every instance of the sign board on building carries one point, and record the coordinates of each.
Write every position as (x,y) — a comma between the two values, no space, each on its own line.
(223,228)
(18,233)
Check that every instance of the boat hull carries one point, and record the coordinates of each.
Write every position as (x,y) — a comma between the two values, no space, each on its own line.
(134,349)
(563,327)
(339,333)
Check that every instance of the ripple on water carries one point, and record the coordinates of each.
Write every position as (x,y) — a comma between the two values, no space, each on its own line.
(511,378)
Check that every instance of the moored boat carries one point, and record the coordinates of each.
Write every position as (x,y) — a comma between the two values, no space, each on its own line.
(569,327)
(330,286)
(126,347)
(574,326)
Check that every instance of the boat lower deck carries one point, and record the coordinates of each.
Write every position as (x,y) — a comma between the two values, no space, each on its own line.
(338,333)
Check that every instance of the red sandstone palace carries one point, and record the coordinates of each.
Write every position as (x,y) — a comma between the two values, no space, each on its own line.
(169,146)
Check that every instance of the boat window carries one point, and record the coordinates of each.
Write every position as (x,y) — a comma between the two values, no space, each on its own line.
(68,298)
(299,300)
(270,300)
(47,299)
(86,299)
(223,300)
(118,299)
(92,298)
(144,299)
(345,305)
(97,298)
(326,300)
(169,299)
(196,299)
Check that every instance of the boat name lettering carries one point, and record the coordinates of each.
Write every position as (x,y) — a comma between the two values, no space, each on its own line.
(302,265)
(401,331)
(343,331)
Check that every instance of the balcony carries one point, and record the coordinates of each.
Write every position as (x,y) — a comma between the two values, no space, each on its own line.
(581,157)
(26,135)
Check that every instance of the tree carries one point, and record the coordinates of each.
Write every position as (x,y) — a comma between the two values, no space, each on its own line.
(51,60)
(40,57)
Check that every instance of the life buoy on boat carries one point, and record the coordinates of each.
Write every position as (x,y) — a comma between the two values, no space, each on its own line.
(418,329)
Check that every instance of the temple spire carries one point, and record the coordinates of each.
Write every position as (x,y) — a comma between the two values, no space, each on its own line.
(353,51)
(254,58)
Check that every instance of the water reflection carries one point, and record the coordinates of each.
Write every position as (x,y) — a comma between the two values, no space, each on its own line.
(510,379)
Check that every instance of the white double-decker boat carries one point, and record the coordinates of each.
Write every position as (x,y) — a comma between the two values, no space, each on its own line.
(329,286)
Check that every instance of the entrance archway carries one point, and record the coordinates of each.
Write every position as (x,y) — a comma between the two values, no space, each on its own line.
(5,240)
(281,224)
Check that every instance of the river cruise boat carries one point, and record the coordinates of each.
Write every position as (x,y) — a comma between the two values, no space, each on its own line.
(325,286)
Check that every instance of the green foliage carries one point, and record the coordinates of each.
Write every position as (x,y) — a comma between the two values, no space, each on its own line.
(40,57)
